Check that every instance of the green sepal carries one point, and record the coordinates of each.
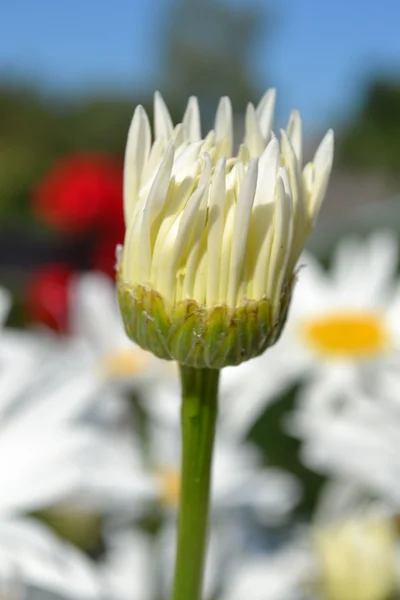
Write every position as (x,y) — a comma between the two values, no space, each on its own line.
(198,336)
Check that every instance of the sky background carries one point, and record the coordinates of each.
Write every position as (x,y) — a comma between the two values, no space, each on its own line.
(318,54)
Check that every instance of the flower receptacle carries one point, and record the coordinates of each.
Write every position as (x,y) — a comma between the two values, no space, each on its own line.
(198,336)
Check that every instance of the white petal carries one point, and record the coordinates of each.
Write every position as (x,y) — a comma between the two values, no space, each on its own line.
(254,138)
(281,244)
(215,230)
(241,230)
(184,162)
(267,172)
(323,157)
(154,204)
(167,232)
(128,570)
(185,227)
(323,160)
(262,219)
(42,560)
(191,120)
(224,128)
(178,135)
(295,134)
(163,126)
(136,155)
(152,165)
(195,281)
(265,113)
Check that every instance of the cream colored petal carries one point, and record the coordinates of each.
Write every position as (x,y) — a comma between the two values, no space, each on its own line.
(265,113)
(178,136)
(293,169)
(224,128)
(323,157)
(323,160)
(163,126)
(181,235)
(151,167)
(299,198)
(215,231)
(191,120)
(153,206)
(263,213)
(130,264)
(243,155)
(281,243)
(185,160)
(267,172)
(136,154)
(198,238)
(241,230)
(254,138)
(294,132)
(230,210)
(264,232)
(180,197)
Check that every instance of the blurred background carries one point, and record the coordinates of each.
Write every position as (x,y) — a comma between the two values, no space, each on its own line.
(71,74)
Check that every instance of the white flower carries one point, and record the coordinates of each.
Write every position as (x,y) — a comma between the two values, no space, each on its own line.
(173,245)
(96,322)
(348,552)
(129,571)
(355,546)
(239,479)
(343,327)
(51,453)
(31,557)
(212,238)
(140,567)
(280,575)
(354,435)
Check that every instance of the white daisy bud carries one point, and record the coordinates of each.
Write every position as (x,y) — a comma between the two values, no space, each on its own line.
(212,239)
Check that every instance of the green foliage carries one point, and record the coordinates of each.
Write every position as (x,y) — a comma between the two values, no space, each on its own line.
(36,132)
(373,139)
(282,450)
(208,54)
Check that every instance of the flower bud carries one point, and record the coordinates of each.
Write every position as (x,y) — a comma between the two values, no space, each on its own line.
(212,239)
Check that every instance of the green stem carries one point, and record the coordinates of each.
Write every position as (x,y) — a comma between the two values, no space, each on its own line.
(198,419)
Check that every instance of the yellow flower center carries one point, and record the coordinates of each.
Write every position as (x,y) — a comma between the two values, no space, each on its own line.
(347,334)
(124,363)
(170,485)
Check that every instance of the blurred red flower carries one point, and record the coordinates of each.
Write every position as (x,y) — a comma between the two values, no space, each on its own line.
(81,194)
(103,256)
(47,296)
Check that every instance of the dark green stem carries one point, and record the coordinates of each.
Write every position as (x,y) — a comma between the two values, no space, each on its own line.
(198,419)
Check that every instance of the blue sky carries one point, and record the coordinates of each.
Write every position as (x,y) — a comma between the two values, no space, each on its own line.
(318,54)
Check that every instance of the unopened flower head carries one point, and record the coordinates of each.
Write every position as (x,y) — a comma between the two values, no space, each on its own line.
(212,237)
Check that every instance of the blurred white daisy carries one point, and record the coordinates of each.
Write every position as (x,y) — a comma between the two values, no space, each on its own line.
(343,326)
(139,566)
(353,434)
(349,552)
(95,321)
(240,481)
(129,570)
(53,453)
(280,575)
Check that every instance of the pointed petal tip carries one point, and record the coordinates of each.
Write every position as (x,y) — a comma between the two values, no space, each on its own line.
(324,153)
